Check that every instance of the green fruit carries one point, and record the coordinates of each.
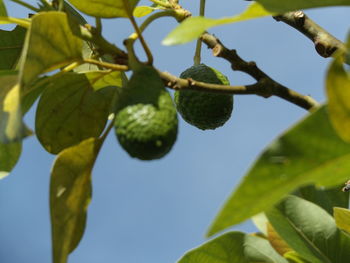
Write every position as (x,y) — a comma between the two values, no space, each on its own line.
(205,110)
(148,131)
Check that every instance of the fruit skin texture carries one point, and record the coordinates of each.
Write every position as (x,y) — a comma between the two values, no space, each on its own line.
(148,131)
(205,110)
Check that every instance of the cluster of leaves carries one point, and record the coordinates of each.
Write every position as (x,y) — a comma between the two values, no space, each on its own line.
(76,100)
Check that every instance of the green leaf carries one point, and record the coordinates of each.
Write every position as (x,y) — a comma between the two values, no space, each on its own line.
(342,218)
(309,230)
(3,11)
(192,27)
(234,247)
(9,155)
(310,152)
(141,11)
(70,111)
(279,6)
(11,44)
(325,198)
(338,92)
(70,195)
(105,8)
(49,45)
(11,124)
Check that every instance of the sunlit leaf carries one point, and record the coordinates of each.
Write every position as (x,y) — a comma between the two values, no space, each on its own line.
(191,28)
(50,45)
(141,11)
(102,79)
(234,247)
(3,11)
(309,230)
(281,6)
(342,218)
(70,195)
(11,125)
(338,91)
(11,44)
(310,152)
(70,111)
(9,155)
(105,8)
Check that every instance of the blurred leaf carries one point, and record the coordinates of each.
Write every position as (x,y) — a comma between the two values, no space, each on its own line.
(105,8)
(276,241)
(233,247)
(338,91)
(309,230)
(192,27)
(70,195)
(310,152)
(11,44)
(11,124)
(50,45)
(325,198)
(9,155)
(70,111)
(342,218)
(3,11)
(141,11)
(279,6)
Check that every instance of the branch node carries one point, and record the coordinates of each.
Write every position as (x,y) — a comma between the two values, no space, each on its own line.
(299,17)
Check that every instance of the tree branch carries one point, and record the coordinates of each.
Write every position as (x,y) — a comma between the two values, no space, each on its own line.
(325,43)
(265,85)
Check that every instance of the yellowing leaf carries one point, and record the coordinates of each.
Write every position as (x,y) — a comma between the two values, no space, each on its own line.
(105,8)
(9,155)
(282,6)
(276,241)
(11,125)
(338,91)
(70,111)
(70,194)
(50,45)
(342,218)
(193,27)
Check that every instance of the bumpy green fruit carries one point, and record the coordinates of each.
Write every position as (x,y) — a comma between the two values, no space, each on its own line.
(148,131)
(205,110)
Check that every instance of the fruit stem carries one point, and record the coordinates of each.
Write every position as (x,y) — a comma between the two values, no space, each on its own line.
(138,32)
(151,18)
(33,8)
(164,4)
(108,129)
(197,54)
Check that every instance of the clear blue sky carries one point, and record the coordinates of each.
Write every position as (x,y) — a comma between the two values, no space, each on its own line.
(156,211)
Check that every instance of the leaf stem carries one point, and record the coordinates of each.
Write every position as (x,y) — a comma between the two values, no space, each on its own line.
(138,32)
(106,65)
(33,8)
(151,18)
(197,55)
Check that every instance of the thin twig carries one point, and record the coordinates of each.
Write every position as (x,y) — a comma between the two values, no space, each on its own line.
(325,43)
